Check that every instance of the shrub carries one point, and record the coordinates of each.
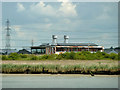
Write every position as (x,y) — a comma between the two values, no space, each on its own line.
(113,56)
(59,57)
(84,55)
(33,57)
(48,57)
(13,56)
(91,57)
(72,55)
(4,57)
(106,55)
(64,55)
(119,56)
(77,56)
(0,57)
(52,57)
(44,57)
(99,55)
(23,55)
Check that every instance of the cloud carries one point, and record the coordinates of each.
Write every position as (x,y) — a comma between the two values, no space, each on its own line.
(42,9)
(23,32)
(67,21)
(65,9)
(20,7)
(18,31)
(63,0)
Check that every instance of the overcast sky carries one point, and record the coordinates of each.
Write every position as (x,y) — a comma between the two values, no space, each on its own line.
(86,22)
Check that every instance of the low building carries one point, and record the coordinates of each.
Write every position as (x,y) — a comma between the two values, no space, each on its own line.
(5,51)
(57,48)
(23,51)
(113,51)
(117,49)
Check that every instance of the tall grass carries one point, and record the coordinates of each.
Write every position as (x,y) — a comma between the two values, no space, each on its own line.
(105,69)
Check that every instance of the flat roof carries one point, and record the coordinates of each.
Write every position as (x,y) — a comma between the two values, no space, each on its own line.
(76,44)
(64,44)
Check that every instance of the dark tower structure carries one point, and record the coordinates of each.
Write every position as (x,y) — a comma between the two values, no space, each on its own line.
(7,47)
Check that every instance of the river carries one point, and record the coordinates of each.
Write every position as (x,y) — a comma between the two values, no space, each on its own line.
(59,81)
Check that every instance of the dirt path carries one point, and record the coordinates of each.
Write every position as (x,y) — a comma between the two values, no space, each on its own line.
(64,62)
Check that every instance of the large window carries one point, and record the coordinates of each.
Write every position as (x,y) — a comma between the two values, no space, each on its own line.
(38,51)
(60,49)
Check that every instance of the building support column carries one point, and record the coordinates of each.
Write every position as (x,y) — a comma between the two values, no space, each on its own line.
(55,49)
(31,51)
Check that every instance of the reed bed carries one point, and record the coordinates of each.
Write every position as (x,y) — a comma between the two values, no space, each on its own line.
(59,69)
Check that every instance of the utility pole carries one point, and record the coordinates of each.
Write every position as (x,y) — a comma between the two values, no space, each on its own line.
(88,46)
(7,47)
(32,42)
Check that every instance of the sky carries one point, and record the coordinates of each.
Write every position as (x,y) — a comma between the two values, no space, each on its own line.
(83,22)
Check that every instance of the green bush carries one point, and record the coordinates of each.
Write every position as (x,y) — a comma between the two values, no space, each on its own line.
(52,57)
(91,57)
(44,57)
(113,56)
(23,55)
(72,55)
(48,57)
(33,57)
(99,55)
(106,55)
(119,56)
(84,55)
(4,57)
(59,57)
(13,56)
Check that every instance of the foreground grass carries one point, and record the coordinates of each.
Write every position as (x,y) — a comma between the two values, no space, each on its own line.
(61,69)
(63,62)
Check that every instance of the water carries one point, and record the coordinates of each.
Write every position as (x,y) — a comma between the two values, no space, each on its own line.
(58,81)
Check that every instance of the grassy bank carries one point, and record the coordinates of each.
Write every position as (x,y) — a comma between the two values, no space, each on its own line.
(61,69)
(84,55)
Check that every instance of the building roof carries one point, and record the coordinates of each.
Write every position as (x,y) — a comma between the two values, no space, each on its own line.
(45,44)
(76,44)
(9,51)
(113,51)
(64,44)
(23,51)
(71,44)
(108,50)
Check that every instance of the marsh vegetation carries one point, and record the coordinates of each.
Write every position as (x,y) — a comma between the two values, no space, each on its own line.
(61,69)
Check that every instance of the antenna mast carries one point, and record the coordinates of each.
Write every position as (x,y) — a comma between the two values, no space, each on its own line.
(7,47)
